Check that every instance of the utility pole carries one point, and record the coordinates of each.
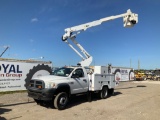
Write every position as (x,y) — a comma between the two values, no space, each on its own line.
(138,65)
(130,63)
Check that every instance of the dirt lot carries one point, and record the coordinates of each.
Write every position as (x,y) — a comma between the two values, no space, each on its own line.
(136,100)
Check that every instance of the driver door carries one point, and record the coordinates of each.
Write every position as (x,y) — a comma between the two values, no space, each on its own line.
(78,81)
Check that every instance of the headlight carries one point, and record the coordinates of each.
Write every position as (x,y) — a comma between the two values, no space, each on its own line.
(50,85)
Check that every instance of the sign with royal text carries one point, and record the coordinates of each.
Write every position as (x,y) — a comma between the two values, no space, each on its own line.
(15,74)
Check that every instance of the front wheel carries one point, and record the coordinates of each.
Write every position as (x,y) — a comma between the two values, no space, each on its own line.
(61,101)
(104,93)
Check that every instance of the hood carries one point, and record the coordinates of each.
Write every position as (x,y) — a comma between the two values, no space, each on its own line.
(50,78)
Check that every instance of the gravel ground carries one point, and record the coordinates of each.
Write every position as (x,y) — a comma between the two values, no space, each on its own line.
(135,100)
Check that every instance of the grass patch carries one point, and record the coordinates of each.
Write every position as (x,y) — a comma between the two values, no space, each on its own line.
(12,92)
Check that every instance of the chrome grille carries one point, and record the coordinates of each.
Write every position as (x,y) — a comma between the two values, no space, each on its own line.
(36,84)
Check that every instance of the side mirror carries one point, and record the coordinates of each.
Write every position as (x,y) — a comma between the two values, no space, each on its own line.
(74,75)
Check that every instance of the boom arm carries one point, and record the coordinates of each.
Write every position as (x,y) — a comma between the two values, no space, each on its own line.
(129,20)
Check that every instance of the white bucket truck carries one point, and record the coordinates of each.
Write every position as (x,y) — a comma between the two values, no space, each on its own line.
(80,79)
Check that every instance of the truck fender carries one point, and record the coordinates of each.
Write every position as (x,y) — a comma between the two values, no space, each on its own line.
(63,87)
(104,86)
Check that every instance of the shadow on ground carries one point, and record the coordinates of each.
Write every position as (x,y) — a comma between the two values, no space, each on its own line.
(2,111)
(77,100)
(6,105)
(131,87)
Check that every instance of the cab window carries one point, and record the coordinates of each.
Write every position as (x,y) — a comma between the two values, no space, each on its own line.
(79,73)
(65,72)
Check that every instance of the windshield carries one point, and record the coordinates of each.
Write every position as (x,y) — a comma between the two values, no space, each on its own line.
(65,72)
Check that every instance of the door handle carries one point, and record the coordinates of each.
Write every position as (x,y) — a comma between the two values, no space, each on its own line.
(85,80)
(71,82)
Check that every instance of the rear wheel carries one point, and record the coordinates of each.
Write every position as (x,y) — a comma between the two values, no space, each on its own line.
(61,101)
(104,93)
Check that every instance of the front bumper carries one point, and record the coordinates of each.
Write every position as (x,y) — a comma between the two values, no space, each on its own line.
(41,94)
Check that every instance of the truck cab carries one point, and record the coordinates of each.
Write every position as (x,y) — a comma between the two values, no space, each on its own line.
(71,80)
(75,77)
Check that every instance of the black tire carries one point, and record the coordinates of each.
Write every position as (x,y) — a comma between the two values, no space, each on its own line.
(104,93)
(61,101)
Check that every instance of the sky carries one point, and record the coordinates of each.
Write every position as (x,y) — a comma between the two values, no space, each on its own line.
(33,30)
